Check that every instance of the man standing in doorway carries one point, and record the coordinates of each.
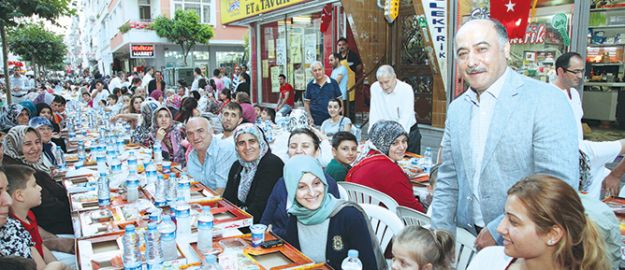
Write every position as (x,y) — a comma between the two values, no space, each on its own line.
(286,102)
(147,78)
(503,128)
(352,62)
(319,91)
(339,73)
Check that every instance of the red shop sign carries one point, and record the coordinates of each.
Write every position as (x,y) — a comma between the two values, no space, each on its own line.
(142,51)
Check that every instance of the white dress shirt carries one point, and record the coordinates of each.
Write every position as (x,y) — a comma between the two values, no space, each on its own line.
(396,106)
(481,115)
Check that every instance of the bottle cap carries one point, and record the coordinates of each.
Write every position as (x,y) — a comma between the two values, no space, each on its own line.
(352,253)
(210,259)
(130,228)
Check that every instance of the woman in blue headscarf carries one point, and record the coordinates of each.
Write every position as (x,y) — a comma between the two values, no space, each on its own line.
(315,212)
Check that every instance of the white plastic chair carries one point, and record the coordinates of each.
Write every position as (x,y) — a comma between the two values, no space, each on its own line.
(385,224)
(413,217)
(465,250)
(343,193)
(366,195)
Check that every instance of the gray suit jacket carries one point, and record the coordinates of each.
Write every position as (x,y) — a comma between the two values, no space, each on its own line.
(532,131)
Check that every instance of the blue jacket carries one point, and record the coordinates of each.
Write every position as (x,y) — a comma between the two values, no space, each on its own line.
(275,211)
(348,229)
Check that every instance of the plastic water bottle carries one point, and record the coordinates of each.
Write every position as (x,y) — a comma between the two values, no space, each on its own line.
(120,145)
(132,253)
(111,153)
(268,131)
(60,158)
(104,193)
(160,197)
(82,154)
(132,186)
(158,153)
(132,161)
(116,170)
(101,162)
(427,160)
(150,173)
(153,251)
(167,229)
(210,263)
(351,262)
(171,195)
(205,230)
(184,188)
(183,220)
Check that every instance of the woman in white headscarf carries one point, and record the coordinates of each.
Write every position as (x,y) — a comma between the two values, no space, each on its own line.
(253,176)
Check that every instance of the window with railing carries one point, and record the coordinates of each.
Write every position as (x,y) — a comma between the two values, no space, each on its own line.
(203,8)
(145,11)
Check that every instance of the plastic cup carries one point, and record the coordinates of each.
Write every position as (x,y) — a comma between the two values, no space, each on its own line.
(258,234)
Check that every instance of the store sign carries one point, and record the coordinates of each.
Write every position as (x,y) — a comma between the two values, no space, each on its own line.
(436,14)
(535,34)
(141,51)
(234,10)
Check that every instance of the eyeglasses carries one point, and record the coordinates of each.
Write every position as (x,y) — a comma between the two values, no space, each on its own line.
(577,71)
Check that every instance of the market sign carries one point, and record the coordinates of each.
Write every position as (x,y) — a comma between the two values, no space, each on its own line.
(141,50)
(234,10)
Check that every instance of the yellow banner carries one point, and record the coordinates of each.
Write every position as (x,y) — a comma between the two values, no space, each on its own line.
(234,10)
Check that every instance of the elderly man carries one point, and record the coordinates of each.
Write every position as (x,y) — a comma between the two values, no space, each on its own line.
(504,127)
(210,160)
(319,91)
(392,99)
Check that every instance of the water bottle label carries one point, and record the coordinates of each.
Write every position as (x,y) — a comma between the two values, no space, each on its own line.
(132,267)
(104,201)
(132,183)
(159,203)
(183,213)
(184,185)
(204,224)
(168,235)
(116,168)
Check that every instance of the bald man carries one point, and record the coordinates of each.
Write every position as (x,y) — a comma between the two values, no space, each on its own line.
(210,160)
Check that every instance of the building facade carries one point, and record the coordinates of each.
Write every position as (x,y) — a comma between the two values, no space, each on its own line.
(108,29)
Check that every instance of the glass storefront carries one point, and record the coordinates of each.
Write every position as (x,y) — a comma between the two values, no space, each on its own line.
(289,47)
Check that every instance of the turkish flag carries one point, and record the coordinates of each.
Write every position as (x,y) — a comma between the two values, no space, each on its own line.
(326,18)
(512,14)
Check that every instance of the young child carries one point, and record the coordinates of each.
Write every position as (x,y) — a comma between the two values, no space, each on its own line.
(268,114)
(258,110)
(26,194)
(418,248)
(344,149)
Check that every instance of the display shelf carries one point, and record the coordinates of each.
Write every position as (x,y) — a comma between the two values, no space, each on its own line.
(606,84)
(607,26)
(607,45)
(607,9)
(605,64)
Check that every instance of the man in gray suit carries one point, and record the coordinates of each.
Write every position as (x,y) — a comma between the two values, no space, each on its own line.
(504,127)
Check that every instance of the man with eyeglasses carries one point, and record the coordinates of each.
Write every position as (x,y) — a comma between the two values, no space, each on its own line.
(570,72)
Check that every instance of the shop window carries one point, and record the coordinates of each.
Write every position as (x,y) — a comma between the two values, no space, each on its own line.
(145,13)
(228,60)
(289,47)
(203,8)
